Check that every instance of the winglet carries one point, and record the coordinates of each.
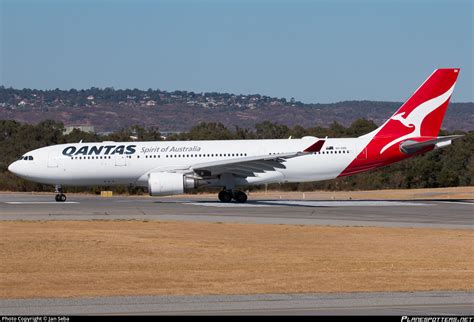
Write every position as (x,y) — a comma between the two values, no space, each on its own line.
(315,147)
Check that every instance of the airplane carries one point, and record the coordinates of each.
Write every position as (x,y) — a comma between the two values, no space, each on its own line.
(176,167)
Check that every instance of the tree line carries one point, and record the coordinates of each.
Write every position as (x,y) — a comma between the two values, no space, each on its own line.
(448,167)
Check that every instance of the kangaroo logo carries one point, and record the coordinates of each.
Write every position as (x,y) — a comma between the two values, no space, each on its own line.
(416,117)
(405,121)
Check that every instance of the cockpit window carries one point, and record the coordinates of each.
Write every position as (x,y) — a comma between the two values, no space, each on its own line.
(30,158)
(26,158)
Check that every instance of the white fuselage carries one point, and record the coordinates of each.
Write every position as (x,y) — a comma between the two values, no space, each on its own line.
(130,163)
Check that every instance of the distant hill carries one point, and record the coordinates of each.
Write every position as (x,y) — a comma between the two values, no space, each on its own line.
(109,109)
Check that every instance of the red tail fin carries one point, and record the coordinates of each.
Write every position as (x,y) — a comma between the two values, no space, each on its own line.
(419,119)
(423,113)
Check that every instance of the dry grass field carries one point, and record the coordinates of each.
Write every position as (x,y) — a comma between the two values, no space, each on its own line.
(99,258)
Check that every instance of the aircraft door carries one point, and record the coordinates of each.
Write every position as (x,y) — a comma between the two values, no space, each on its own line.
(53,160)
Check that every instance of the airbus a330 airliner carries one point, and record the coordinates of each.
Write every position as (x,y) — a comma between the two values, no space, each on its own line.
(168,168)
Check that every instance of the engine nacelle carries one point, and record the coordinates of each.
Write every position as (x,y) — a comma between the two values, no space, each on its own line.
(169,183)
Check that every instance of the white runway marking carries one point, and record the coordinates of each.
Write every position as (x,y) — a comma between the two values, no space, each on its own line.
(353,203)
(228,205)
(278,203)
(38,202)
(458,202)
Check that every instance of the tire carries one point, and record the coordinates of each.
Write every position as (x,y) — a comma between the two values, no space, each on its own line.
(240,196)
(62,197)
(225,196)
(58,198)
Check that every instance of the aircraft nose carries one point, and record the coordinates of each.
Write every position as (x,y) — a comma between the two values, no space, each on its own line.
(14,167)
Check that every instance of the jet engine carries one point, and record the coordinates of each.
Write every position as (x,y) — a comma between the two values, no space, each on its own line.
(170,183)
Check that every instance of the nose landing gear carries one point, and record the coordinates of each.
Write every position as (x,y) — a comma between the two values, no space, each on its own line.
(60,196)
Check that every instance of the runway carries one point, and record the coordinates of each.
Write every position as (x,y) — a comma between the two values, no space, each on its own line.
(374,303)
(383,213)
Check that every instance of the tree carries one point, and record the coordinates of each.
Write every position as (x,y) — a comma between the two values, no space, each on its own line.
(208,131)
(269,130)
(360,127)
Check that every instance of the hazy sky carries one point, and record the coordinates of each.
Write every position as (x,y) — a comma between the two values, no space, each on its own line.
(315,51)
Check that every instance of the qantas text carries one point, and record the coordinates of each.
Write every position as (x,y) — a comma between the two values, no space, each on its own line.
(97,150)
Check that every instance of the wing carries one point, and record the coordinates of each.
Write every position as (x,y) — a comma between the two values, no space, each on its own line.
(249,166)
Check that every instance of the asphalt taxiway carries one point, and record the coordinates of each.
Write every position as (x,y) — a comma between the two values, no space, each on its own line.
(373,303)
(384,213)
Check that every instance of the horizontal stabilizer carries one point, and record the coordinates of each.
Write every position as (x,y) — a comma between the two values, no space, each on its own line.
(412,146)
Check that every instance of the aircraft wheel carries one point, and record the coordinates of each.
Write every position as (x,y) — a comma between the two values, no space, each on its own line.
(60,197)
(240,196)
(225,196)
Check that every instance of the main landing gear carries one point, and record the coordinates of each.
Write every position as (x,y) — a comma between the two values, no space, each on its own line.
(228,195)
(60,196)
